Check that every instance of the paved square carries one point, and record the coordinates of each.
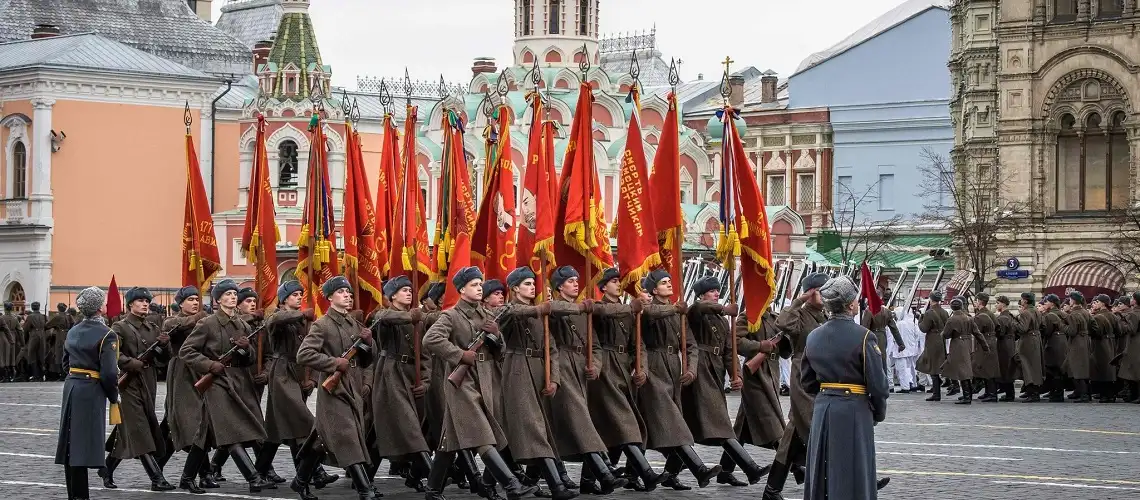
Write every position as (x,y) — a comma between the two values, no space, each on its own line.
(932,451)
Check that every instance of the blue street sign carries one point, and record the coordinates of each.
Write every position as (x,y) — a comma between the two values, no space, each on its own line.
(1012,263)
(1013,274)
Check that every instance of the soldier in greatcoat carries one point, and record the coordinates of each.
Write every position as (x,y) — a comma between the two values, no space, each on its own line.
(11,336)
(703,402)
(1103,340)
(231,416)
(958,365)
(612,399)
(457,337)
(879,323)
(36,332)
(182,414)
(57,327)
(139,436)
(575,436)
(341,425)
(1005,330)
(796,321)
(1130,359)
(660,397)
(1077,360)
(1054,342)
(397,409)
(760,417)
(986,362)
(934,350)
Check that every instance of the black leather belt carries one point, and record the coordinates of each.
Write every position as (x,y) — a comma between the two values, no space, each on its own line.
(620,349)
(402,358)
(666,349)
(528,352)
(715,350)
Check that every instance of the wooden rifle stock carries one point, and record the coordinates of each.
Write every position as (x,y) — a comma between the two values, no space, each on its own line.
(756,363)
(261,352)
(333,380)
(460,372)
(146,357)
(207,381)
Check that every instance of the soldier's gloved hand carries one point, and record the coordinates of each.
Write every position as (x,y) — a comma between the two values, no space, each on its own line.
(586,306)
(731,309)
(341,364)
(366,334)
(261,378)
(308,386)
(544,309)
(468,358)
(367,391)
(688,378)
(258,313)
(163,338)
(682,307)
(636,305)
(241,342)
(217,368)
(309,314)
(737,383)
(419,390)
(767,346)
(417,315)
(490,326)
(639,378)
(901,347)
(134,365)
(591,373)
(551,390)
(986,346)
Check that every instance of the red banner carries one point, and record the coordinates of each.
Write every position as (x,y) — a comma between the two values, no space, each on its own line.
(260,235)
(409,254)
(457,216)
(636,232)
(361,260)
(114,300)
(539,197)
(493,244)
(868,291)
(200,260)
(386,195)
(316,246)
(666,186)
(580,236)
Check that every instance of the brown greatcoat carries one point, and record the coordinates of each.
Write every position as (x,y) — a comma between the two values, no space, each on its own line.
(287,417)
(34,330)
(469,409)
(1077,361)
(958,329)
(11,338)
(613,406)
(57,328)
(1005,329)
(880,323)
(660,398)
(986,362)
(703,402)
(796,322)
(1052,328)
(530,429)
(760,417)
(1103,339)
(933,355)
(396,413)
(183,412)
(139,433)
(574,431)
(230,411)
(1123,330)
(434,401)
(1130,362)
(340,414)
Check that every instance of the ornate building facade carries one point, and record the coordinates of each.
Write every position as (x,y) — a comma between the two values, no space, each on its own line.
(1054,115)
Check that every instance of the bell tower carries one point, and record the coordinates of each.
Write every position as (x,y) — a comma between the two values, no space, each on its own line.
(554,32)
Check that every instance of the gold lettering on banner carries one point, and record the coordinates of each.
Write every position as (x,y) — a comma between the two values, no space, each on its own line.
(631,191)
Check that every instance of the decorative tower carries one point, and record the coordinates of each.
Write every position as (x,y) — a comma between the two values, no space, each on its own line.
(554,31)
(294,66)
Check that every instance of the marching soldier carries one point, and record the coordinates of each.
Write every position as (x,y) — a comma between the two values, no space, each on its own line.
(612,401)
(986,361)
(340,422)
(1103,339)
(1079,355)
(796,321)
(1056,340)
(934,351)
(396,397)
(230,417)
(57,328)
(37,345)
(1005,329)
(141,345)
(183,417)
(958,366)
(879,322)
(760,417)
(1130,358)
(703,402)
(494,294)
(661,395)
(10,339)
(469,417)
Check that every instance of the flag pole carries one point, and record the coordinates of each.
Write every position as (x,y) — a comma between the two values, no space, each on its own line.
(726,144)
(584,65)
(536,78)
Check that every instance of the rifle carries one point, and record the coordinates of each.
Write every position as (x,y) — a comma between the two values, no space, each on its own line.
(333,380)
(207,381)
(460,372)
(146,357)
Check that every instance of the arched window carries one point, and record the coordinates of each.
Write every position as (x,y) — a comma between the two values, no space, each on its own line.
(1092,164)
(555,15)
(287,164)
(1064,10)
(19,171)
(526,19)
(583,17)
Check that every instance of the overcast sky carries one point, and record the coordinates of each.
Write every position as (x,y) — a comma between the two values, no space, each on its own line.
(430,37)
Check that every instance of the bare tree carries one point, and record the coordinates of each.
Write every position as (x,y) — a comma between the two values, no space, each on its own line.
(967,204)
(858,231)
(1126,241)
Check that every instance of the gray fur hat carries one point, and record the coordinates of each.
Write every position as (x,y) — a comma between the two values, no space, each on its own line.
(519,275)
(394,285)
(838,290)
(814,280)
(90,300)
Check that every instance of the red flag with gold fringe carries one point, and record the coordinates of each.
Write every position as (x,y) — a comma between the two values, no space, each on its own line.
(409,252)
(200,259)
(361,260)
(665,182)
(539,197)
(316,246)
(636,232)
(457,214)
(260,235)
(493,244)
(386,195)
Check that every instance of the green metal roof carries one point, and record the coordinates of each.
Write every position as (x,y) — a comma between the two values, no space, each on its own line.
(296,44)
(910,251)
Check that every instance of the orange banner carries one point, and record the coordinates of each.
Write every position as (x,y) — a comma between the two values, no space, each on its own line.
(457,217)
(636,232)
(260,235)
(200,260)
(316,246)
(409,254)
(539,197)
(493,244)
(361,260)
(666,185)
(386,195)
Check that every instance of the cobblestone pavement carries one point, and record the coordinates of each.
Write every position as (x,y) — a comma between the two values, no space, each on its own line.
(931,451)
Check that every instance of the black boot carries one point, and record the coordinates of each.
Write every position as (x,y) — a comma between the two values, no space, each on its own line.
(308,459)
(470,470)
(246,467)
(882,483)
(777,476)
(360,482)
(1034,394)
(108,472)
(220,457)
(799,472)
(736,453)
(265,465)
(1083,389)
(936,388)
(990,396)
(441,468)
(726,476)
(193,465)
(607,482)
(558,490)
(514,489)
(77,488)
(702,472)
(157,481)
(669,475)
(1007,390)
(164,428)
(635,460)
(419,470)
(967,393)
(564,476)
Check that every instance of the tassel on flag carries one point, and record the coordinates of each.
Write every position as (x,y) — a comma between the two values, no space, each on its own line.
(200,259)
(493,244)
(539,197)
(457,216)
(260,234)
(637,237)
(409,255)
(665,183)
(361,260)
(316,246)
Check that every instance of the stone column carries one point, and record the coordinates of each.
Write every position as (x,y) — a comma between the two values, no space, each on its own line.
(205,159)
(40,194)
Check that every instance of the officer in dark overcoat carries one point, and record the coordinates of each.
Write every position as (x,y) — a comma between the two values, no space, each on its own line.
(37,349)
(933,354)
(91,358)
(57,327)
(879,323)
(1005,328)
(962,333)
(11,338)
(986,362)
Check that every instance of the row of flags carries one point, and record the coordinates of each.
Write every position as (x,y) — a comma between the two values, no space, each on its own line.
(559,219)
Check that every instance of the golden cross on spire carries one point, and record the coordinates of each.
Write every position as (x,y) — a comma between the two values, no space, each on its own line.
(727,62)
